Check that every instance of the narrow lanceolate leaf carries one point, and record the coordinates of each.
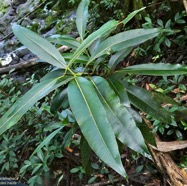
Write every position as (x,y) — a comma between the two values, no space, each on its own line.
(64,40)
(162,98)
(143,100)
(91,117)
(119,89)
(105,29)
(46,140)
(12,116)
(39,46)
(145,130)
(121,120)
(124,40)
(95,44)
(86,153)
(159,69)
(118,57)
(131,15)
(58,101)
(81,17)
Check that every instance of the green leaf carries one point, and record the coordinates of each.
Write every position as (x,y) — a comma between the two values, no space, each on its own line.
(124,40)
(64,40)
(74,170)
(119,89)
(95,44)
(103,30)
(82,17)
(131,15)
(53,74)
(118,57)
(52,126)
(162,98)
(68,136)
(24,168)
(58,101)
(159,69)
(39,46)
(12,116)
(91,117)
(145,130)
(81,59)
(86,153)
(144,100)
(46,141)
(121,120)
(36,168)
(92,179)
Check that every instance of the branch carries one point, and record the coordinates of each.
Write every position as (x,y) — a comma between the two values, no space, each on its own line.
(172,174)
(18,66)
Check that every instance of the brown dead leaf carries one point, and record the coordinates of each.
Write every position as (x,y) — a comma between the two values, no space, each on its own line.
(147,86)
(177,90)
(69,149)
(184,98)
(171,145)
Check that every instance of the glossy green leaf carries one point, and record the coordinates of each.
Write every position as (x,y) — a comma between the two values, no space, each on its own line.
(159,69)
(91,117)
(53,74)
(64,40)
(162,98)
(40,90)
(95,44)
(46,140)
(86,153)
(119,89)
(68,137)
(145,130)
(81,59)
(58,101)
(103,30)
(36,168)
(39,46)
(131,15)
(143,100)
(118,57)
(82,17)
(124,40)
(121,120)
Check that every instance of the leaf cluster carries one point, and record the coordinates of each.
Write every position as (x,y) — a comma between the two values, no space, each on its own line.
(99,96)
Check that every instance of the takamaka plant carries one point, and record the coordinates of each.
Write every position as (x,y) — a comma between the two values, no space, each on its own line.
(97,92)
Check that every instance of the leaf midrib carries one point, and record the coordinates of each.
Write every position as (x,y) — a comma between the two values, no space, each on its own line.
(108,104)
(87,104)
(79,53)
(60,62)
(115,43)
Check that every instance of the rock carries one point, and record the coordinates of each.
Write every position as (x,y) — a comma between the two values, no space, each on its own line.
(6,3)
(21,51)
(28,57)
(18,2)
